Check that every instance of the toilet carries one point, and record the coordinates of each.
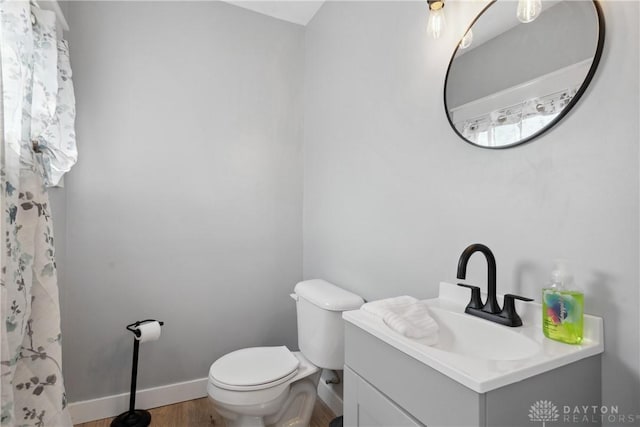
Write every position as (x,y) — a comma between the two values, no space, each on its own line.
(273,386)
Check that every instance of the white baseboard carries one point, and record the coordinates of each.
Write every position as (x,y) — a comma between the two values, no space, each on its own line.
(110,406)
(330,398)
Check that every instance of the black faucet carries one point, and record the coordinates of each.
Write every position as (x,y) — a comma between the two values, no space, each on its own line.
(490,310)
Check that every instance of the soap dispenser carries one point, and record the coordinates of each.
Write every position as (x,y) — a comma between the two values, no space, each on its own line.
(562,307)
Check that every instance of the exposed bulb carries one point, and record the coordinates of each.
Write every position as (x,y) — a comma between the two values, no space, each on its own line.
(466,40)
(528,10)
(436,22)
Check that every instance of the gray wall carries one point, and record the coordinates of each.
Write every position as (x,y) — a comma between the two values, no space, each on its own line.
(392,196)
(523,53)
(186,204)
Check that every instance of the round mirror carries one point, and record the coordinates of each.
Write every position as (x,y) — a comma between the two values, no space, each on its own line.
(509,81)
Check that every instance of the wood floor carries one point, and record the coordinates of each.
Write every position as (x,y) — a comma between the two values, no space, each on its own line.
(198,413)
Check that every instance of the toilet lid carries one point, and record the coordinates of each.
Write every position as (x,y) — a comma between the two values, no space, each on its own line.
(254,367)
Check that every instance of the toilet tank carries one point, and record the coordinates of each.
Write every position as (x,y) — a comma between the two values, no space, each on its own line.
(319,306)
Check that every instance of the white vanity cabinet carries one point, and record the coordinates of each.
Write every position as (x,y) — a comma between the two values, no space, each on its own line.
(386,387)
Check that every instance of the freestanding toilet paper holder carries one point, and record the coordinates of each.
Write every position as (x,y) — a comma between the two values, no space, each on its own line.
(134,417)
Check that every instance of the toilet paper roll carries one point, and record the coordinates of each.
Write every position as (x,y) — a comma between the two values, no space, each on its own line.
(149,331)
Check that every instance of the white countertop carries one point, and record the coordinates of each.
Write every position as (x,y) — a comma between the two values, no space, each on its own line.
(474,363)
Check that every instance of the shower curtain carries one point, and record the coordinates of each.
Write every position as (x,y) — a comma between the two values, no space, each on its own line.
(38,146)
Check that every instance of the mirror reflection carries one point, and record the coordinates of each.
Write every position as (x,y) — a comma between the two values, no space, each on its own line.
(510,81)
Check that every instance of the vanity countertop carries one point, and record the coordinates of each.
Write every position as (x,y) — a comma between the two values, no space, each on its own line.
(483,355)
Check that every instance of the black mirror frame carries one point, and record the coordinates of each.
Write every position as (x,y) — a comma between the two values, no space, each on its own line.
(569,106)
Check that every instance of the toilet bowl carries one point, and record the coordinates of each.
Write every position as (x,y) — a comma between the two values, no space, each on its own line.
(263,386)
(273,386)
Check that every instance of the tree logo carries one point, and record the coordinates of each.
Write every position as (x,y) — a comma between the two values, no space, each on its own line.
(543,410)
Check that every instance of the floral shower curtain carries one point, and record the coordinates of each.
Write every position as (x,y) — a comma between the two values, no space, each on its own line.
(38,146)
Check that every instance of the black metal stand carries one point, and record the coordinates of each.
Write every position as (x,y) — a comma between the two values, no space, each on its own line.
(134,417)
(336,422)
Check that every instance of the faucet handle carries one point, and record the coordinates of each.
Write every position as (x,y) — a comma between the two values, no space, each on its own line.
(476,301)
(509,308)
(512,297)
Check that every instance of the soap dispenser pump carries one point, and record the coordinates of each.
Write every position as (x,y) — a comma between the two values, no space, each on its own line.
(562,307)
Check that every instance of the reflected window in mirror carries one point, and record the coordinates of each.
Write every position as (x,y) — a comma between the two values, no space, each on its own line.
(513,80)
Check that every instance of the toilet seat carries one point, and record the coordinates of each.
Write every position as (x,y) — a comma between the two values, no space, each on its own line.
(255,368)
(266,392)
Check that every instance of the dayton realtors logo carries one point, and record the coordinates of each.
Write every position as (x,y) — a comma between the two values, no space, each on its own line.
(546,411)
(543,411)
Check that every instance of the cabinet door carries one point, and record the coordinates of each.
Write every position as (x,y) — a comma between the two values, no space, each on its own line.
(365,406)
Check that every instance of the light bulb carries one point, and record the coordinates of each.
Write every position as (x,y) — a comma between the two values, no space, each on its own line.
(528,10)
(436,23)
(466,40)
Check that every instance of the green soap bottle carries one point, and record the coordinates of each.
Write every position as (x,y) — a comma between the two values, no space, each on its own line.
(562,307)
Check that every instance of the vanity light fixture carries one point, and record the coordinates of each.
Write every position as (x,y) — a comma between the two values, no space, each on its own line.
(528,10)
(467,39)
(436,22)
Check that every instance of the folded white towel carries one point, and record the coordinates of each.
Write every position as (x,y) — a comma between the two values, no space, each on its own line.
(383,306)
(414,322)
(407,316)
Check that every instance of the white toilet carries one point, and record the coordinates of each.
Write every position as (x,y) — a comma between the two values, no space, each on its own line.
(273,386)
